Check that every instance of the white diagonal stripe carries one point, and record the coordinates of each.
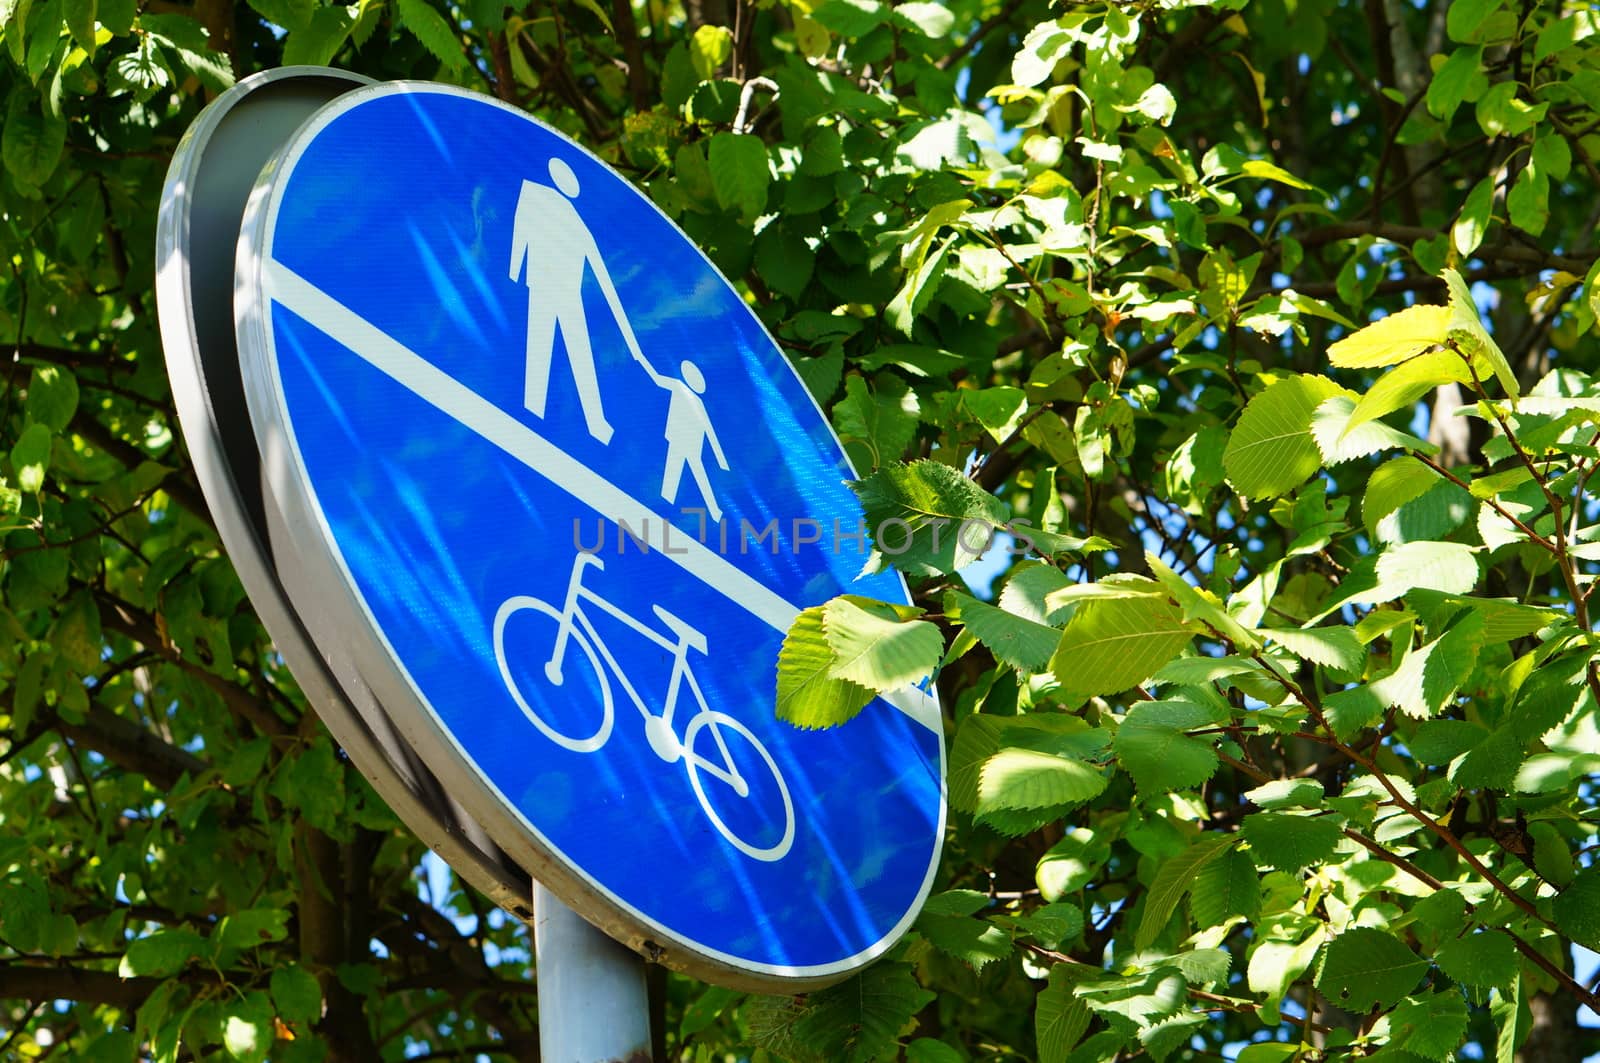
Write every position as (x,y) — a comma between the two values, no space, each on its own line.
(472,410)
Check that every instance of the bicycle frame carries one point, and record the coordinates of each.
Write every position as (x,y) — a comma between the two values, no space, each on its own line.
(574,622)
(572,611)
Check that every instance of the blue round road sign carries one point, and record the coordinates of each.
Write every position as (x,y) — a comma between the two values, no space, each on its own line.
(568,496)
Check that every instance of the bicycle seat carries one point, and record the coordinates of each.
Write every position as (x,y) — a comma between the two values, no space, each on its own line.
(686,634)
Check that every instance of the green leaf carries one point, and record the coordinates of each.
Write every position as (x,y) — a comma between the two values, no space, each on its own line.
(1043,47)
(1427,679)
(1448,567)
(1513,1019)
(1551,857)
(1269,1052)
(1284,949)
(1485,960)
(786,262)
(1528,203)
(314,783)
(1027,591)
(809,696)
(247,1030)
(882,419)
(33,139)
(186,38)
(80,17)
(76,634)
(1332,647)
(52,397)
(1286,793)
(1501,113)
(1271,450)
(1402,386)
(292,15)
(1459,80)
(739,173)
(1273,172)
(710,47)
(162,953)
(921,284)
(1338,442)
(1176,877)
(1392,485)
(1473,222)
(927,518)
(1053,925)
(1492,764)
(927,1050)
(316,43)
(860,1019)
(1151,746)
(851,18)
(296,994)
(1467,333)
(30,457)
(1019,642)
(1288,842)
(873,648)
(1557,36)
(1577,908)
(1392,339)
(998,409)
(252,927)
(44,35)
(975,942)
(1365,968)
(1466,16)
(430,28)
(1225,888)
(977,739)
(1110,645)
(141,71)
(1144,1000)
(1431,1025)
(1071,863)
(1201,606)
(1060,1019)
(1028,778)
(1433,515)
(929,19)
(1552,155)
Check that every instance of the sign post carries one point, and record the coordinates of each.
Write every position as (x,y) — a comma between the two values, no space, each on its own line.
(593,1007)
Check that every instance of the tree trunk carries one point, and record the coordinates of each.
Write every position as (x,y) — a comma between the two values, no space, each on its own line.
(1554,1035)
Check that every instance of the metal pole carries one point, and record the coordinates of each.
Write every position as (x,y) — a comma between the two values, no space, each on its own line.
(593,1006)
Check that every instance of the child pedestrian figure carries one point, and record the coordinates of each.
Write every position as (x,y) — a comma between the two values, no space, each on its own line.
(688,431)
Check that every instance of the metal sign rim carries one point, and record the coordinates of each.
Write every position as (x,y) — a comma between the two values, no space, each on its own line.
(247,545)
(381,667)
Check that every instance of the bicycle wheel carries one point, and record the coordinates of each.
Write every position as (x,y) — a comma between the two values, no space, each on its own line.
(553,686)
(705,757)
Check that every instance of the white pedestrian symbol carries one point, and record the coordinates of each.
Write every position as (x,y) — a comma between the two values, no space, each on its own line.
(551,251)
(688,431)
(550,238)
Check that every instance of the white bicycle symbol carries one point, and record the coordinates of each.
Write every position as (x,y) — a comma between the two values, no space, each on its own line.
(715,762)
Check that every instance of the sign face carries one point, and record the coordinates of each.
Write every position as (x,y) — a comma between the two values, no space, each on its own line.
(572,496)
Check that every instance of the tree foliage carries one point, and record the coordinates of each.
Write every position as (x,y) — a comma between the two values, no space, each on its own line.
(1264,332)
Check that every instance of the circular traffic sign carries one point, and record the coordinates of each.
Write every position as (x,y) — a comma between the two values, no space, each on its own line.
(208,181)
(560,497)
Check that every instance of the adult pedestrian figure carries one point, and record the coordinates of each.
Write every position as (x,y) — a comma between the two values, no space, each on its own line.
(550,239)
